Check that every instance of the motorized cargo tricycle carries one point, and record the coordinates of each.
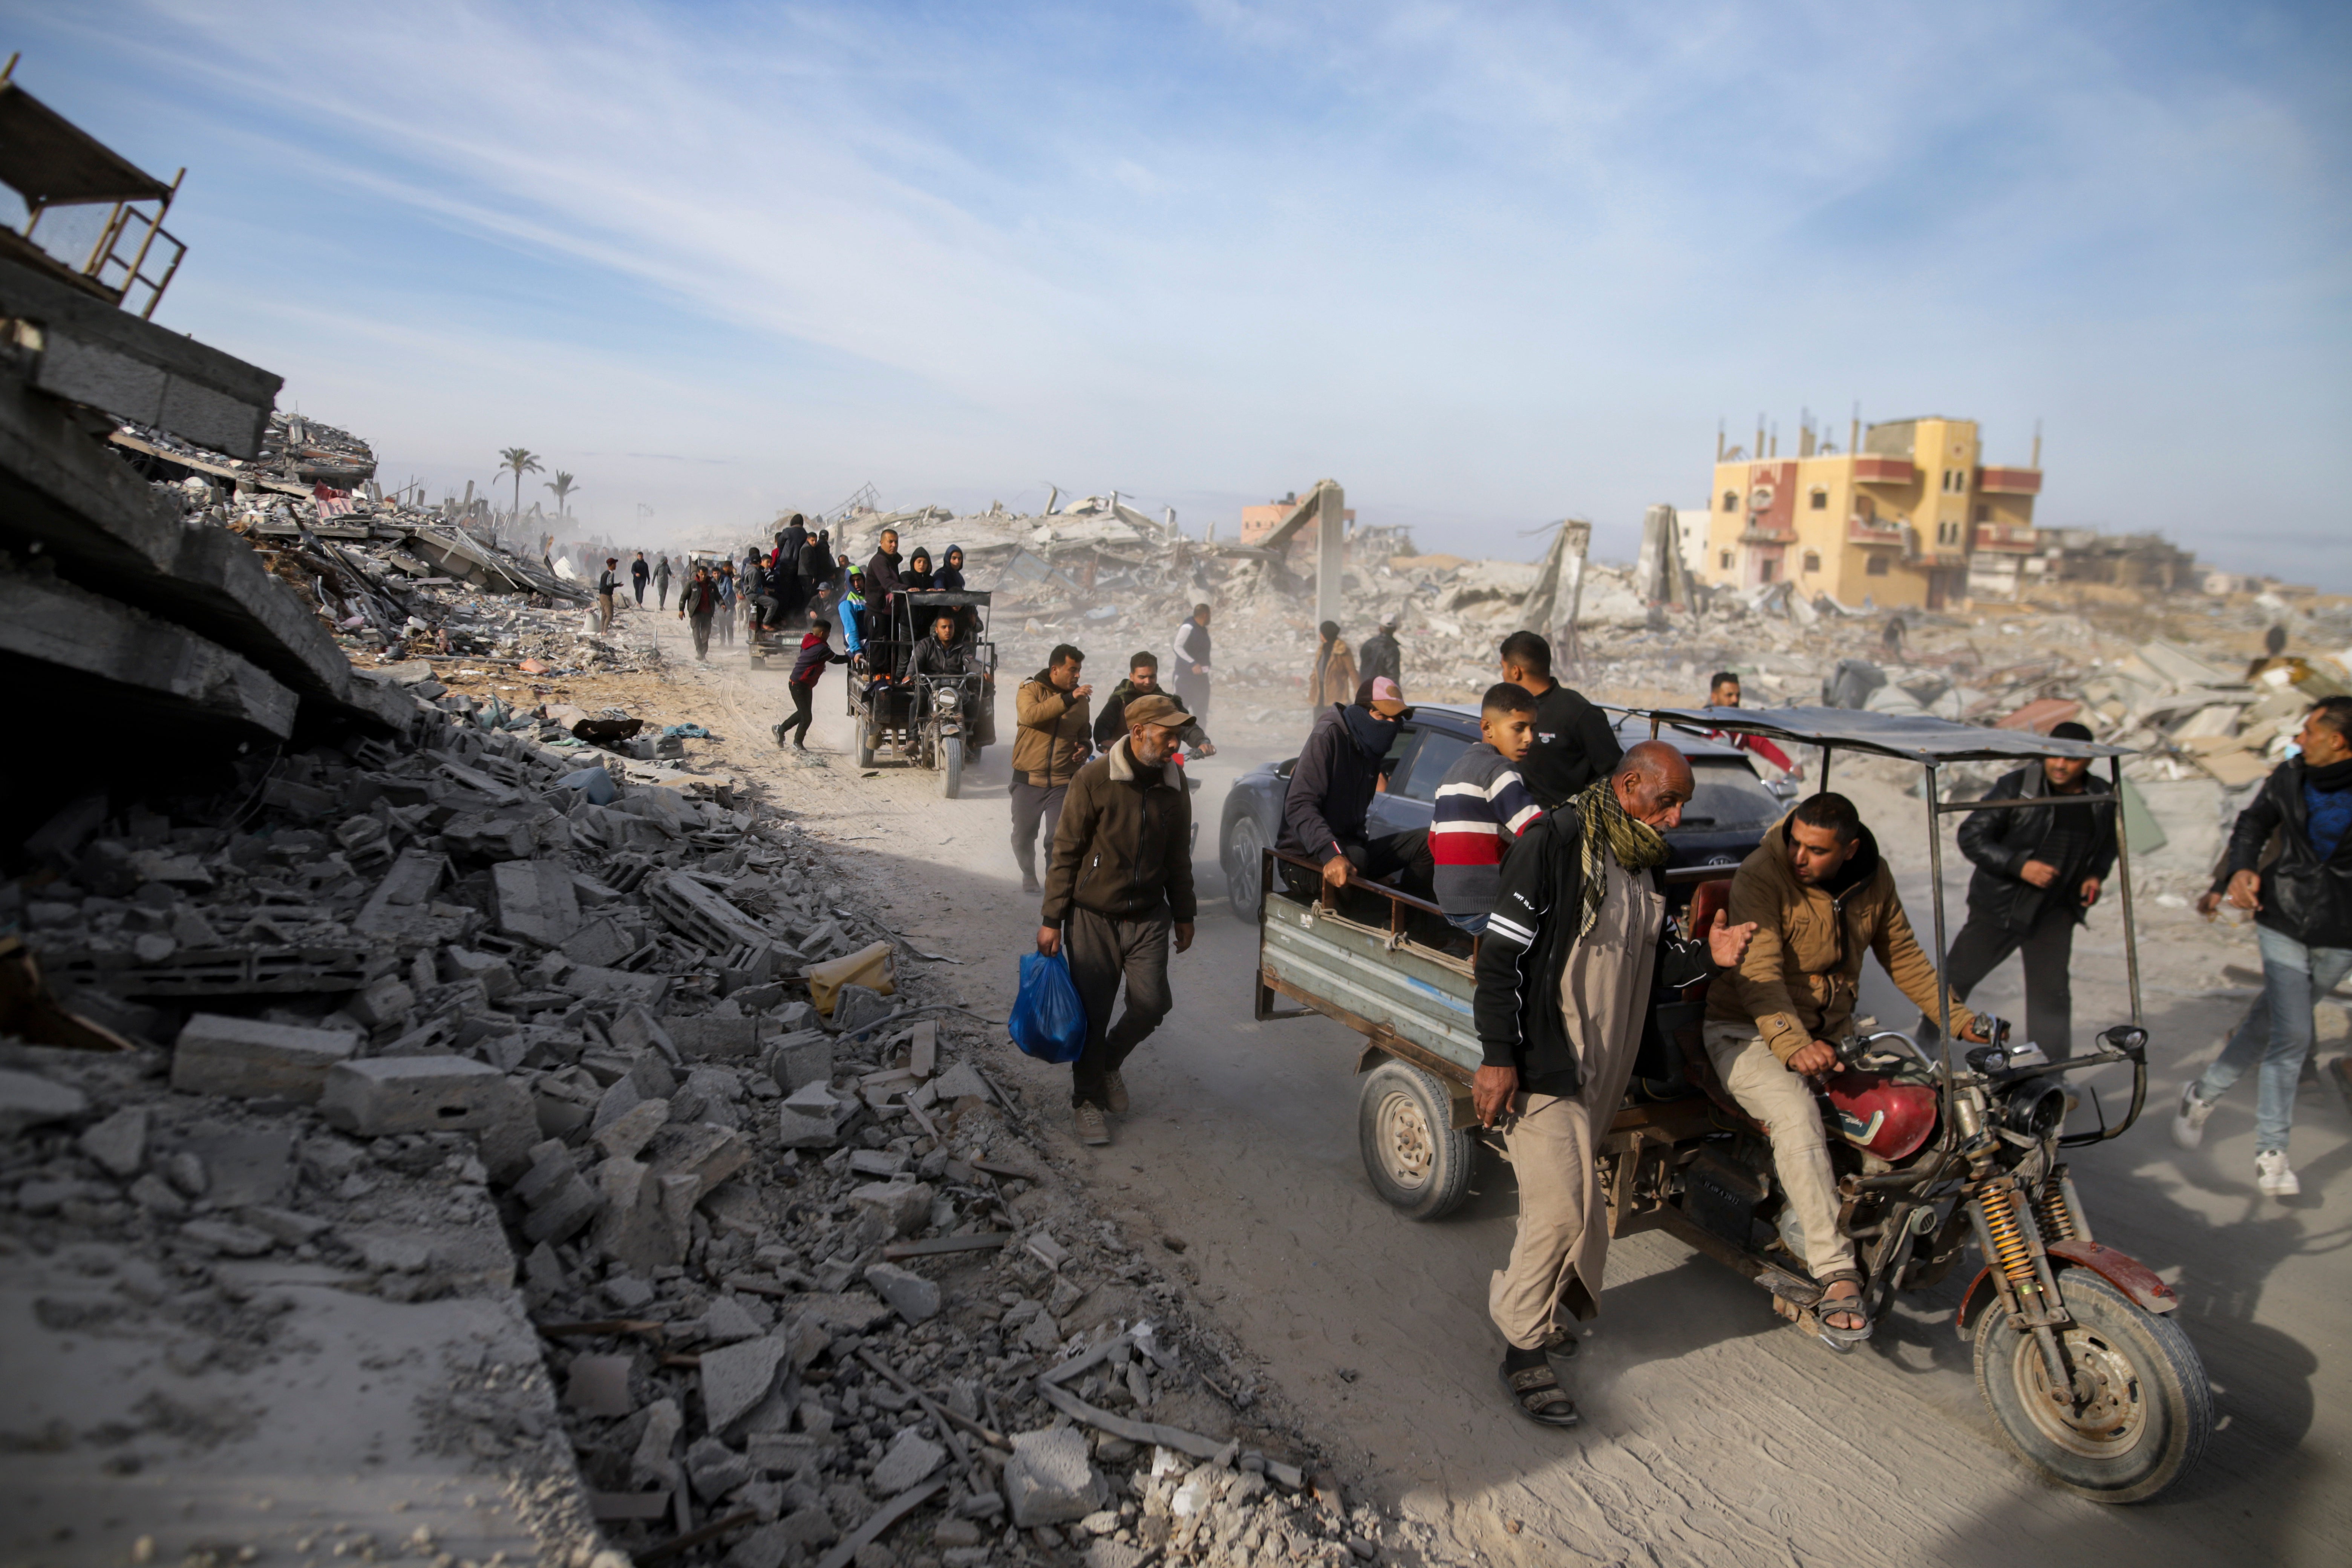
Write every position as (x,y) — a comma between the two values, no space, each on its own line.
(931,719)
(2078,1351)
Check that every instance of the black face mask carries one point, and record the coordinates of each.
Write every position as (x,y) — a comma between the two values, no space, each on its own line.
(1369,731)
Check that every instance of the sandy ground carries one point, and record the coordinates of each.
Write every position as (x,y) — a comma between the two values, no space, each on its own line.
(1712,1434)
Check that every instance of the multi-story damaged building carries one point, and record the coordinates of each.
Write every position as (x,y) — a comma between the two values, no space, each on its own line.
(1908,514)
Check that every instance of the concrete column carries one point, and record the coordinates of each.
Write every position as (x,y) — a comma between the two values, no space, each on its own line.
(1331,550)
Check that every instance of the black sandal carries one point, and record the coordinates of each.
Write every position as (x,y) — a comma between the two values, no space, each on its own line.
(1536,1393)
(1854,1306)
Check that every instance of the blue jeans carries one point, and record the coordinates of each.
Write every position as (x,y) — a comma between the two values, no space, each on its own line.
(1474,924)
(2277,1031)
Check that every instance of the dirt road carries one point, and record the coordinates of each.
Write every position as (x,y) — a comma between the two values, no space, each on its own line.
(1713,1434)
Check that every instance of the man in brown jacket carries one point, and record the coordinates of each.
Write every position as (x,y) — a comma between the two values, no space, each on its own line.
(1119,885)
(1048,749)
(1819,897)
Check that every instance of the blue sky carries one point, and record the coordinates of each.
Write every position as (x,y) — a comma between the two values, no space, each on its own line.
(1487,266)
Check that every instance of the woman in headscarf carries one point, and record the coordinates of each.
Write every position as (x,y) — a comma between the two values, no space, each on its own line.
(949,577)
(917,577)
(1334,679)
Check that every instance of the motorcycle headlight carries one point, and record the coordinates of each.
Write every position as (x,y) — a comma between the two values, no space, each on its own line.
(943,700)
(2035,1110)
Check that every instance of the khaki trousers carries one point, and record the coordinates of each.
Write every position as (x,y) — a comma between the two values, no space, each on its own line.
(1784,1103)
(1550,1139)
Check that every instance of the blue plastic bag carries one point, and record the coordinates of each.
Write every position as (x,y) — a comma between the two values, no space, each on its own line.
(1049,1020)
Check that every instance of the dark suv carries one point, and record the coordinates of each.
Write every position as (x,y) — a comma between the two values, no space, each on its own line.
(1729,810)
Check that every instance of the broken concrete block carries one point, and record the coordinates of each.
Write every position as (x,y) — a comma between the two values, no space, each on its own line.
(387,1001)
(909,1461)
(633,1228)
(119,1142)
(910,1295)
(704,1150)
(736,1378)
(858,1009)
(249,1059)
(651,1462)
(714,1469)
(621,1097)
(220,1236)
(507,1138)
(959,1083)
(729,1322)
(599,945)
(797,1060)
(1048,1479)
(495,974)
(627,1133)
(923,1049)
(588,983)
(884,1163)
(536,900)
(29,1099)
(284,1225)
(903,1207)
(714,1035)
(153,1194)
(240,1165)
(411,1094)
(635,1029)
(600,1386)
(809,1118)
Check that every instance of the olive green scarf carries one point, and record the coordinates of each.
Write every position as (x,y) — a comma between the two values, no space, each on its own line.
(1605,822)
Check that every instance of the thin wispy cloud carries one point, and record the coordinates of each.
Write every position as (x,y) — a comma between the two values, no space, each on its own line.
(1487,264)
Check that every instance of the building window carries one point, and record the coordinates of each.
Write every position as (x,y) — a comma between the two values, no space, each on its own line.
(1821,499)
(1813,561)
(1984,514)
(1731,500)
(1878,566)
(1726,559)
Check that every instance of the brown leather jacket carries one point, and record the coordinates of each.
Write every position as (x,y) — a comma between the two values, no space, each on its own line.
(1796,983)
(1335,681)
(1055,733)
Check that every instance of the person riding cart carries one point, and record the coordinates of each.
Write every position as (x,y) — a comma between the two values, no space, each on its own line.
(944,658)
(1820,897)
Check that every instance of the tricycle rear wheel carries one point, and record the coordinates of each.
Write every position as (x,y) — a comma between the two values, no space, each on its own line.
(1418,1162)
(2141,1410)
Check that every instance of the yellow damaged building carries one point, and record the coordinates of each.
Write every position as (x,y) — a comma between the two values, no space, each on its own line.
(1900,518)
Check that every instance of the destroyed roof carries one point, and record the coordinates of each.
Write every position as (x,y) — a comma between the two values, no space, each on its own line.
(48,160)
(1913,738)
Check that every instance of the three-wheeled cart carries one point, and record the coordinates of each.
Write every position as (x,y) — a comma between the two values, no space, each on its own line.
(2078,1352)
(926,719)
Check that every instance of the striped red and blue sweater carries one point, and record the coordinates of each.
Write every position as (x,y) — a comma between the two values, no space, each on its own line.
(1481,807)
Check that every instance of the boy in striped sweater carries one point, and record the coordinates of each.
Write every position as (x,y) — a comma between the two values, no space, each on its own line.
(1481,807)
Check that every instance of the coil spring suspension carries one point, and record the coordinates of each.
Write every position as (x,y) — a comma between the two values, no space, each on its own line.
(2050,1208)
(2016,1258)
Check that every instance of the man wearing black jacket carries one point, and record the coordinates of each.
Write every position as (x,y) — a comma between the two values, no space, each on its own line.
(2303,904)
(2038,871)
(1331,789)
(1577,934)
(1574,742)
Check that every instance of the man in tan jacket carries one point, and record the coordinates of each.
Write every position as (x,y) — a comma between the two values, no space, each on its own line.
(1819,897)
(1050,746)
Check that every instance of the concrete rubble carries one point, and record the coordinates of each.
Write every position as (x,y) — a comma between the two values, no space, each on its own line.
(788,1272)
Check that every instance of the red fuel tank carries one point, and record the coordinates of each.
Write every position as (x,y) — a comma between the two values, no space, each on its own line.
(1890,1119)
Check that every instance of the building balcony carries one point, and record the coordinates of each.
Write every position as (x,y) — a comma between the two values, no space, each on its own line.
(1872,470)
(2012,537)
(1755,535)
(2010,481)
(1874,530)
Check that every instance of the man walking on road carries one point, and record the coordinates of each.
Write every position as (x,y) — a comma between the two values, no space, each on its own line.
(661,582)
(1574,744)
(1380,658)
(2303,901)
(639,575)
(1048,750)
(807,671)
(2038,872)
(1723,692)
(1119,887)
(1578,930)
(699,605)
(1192,664)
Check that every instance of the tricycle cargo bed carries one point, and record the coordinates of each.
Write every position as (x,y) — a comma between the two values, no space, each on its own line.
(1406,998)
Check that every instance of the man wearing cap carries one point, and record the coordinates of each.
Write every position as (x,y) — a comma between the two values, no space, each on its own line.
(1119,885)
(608,584)
(2039,869)
(1331,790)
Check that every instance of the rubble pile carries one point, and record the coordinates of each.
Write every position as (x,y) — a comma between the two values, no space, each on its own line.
(453,1012)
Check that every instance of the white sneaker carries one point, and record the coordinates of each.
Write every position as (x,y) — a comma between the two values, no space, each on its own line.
(2189,1120)
(2275,1175)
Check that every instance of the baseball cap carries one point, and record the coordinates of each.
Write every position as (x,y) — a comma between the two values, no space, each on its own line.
(1386,700)
(1156,710)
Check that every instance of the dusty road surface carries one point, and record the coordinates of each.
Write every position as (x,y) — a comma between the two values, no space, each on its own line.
(1713,1434)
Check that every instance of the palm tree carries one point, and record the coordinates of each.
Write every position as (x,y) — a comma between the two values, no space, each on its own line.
(562,485)
(522,460)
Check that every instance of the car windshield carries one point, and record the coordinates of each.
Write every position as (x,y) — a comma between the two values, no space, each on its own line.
(1432,759)
(1727,797)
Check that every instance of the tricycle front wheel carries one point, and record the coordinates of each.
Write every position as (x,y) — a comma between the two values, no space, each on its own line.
(1418,1162)
(2138,1412)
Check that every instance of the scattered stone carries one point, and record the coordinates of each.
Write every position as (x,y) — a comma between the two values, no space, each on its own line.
(715,1468)
(903,1207)
(910,1458)
(809,1118)
(627,1133)
(1048,1479)
(247,1059)
(600,1386)
(410,1094)
(119,1142)
(735,1378)
(220,1236)
(910,1294)
(728,1322)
